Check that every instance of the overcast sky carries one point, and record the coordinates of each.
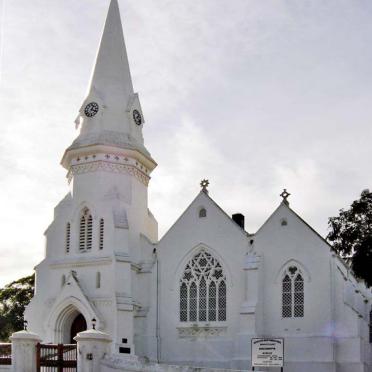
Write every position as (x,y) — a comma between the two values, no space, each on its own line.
(255,95)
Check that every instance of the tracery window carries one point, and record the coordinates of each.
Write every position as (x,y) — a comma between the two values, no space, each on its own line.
(203,290)
(86,230)
(292,293)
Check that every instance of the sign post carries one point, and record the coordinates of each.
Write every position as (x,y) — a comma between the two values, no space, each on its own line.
(267,352)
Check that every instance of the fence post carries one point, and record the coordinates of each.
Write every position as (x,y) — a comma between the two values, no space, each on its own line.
(24,351)
(92,345)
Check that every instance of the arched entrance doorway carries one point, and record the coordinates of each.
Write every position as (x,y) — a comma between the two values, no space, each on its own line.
(79,324)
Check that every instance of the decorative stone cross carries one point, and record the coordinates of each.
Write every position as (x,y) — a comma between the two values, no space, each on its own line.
(285,194)
(204,184)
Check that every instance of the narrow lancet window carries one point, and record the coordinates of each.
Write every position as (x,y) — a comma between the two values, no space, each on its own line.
(183,303)
(222,301)
(98,280)
(287,297)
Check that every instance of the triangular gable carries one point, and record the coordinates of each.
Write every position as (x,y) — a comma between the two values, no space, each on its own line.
(205,200)
(72,294)
(287,207)
(336,255)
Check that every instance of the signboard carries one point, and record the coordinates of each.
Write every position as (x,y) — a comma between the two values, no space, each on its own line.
(267,352)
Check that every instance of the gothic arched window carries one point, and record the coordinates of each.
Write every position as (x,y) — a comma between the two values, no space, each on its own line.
(203,290)
(85,231)
(292,293)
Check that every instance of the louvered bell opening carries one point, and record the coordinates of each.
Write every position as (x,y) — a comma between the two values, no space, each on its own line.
(89,232)
(68,237)
(101,232)
(82,234)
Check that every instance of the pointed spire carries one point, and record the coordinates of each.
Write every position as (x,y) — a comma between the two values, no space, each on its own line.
(111,76)
(111,114)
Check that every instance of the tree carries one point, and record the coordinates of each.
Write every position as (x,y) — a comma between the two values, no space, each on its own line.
(351,236)
(14,297)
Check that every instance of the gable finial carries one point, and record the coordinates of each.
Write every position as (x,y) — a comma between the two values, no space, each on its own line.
(285,194)
(204,185)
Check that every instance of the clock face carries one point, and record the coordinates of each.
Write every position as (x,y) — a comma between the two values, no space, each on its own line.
(137,117)
(91,109)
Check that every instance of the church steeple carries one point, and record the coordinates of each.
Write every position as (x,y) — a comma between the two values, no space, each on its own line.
(111,114)
(111,75)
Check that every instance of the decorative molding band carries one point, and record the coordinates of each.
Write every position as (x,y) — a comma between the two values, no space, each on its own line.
(107,166)
(204,331)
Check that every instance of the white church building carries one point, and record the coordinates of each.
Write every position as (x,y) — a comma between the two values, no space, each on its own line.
(199,294)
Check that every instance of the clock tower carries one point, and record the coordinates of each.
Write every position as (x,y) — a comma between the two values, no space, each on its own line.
(103,231)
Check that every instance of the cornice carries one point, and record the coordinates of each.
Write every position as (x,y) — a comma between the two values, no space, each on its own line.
(115,148)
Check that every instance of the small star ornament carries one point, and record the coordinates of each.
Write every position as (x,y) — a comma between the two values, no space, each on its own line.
(204,184)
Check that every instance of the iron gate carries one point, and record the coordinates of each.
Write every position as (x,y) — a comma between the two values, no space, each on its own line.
(56,357)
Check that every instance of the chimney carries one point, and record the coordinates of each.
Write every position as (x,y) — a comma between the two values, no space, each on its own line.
(238,218)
